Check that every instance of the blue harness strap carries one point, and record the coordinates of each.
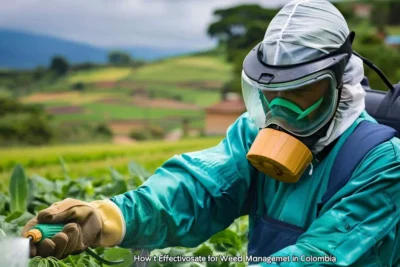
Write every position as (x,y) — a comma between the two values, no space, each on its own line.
(365,137)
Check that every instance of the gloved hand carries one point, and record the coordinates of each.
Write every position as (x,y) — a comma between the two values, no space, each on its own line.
(95,224)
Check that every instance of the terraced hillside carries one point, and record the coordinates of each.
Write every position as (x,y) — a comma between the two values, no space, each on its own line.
(161,93)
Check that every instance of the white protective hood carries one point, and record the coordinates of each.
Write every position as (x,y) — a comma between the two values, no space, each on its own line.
(304,30)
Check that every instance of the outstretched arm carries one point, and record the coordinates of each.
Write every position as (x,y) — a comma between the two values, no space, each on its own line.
(191,196)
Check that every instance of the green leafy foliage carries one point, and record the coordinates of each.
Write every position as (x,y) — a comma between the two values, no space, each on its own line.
(18,190)
(59,65)
(385,58)
(34,193)
(78,86)
(240,28)
(118,254)
(151,132)
(23,124)
(119,58)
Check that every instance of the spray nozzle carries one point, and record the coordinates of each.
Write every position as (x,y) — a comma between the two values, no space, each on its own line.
(43,231)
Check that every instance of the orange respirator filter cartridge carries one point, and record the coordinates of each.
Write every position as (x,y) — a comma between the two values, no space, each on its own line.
(279,155)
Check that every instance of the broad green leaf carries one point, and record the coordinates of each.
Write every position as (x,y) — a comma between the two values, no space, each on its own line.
(64,167)
(212,264)
(18,189)
(227,237)
(89,189)
(62,264)
(46,262)
(23,219)
(134,183)
(49,198)
(8,228)
(115,254)
(43,183)
(114,188)
(115,175)
(83,260)
(3,203)
(227,264)
(139,171)
(38,205)
(176,252)
(14,215)
(34,262)
(204,250)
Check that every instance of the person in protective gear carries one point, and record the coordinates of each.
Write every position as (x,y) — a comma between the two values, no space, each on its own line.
(301,86)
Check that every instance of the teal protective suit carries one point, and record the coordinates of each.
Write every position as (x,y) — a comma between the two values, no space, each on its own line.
(195,195)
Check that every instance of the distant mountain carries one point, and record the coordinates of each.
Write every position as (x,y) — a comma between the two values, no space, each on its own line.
(22,50)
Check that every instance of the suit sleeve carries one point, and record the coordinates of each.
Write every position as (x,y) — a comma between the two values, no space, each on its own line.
(191,196)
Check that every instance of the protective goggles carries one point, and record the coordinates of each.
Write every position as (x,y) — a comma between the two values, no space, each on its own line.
(301,108)
(300,98)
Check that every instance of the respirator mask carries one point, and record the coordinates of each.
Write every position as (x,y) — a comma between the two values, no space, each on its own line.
(293,106)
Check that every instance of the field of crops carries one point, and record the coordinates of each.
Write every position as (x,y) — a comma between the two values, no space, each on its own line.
(94,159)
(108,74)
(188,69)
(33,178)
(168,90)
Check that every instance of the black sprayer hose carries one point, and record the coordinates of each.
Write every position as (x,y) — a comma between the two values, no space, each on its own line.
(376,69)
(104,261)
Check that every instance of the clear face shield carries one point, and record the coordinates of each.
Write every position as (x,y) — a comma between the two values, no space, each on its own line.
(301,107)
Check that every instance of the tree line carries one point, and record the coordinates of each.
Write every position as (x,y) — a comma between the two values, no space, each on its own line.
(238,29)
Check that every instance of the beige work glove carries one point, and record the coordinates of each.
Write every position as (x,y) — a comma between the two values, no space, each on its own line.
(95,224)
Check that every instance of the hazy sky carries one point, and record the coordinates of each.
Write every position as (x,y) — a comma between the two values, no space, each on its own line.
(120,23)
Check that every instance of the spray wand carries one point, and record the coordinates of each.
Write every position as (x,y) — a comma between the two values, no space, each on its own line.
(43,231)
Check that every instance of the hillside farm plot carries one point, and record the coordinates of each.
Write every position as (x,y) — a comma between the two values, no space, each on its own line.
(98,112)
(201,98)
(109,74)
(125,113)
(72,98)
(65,110)
(126,99)
(163,103)
(184,69)
(200,85)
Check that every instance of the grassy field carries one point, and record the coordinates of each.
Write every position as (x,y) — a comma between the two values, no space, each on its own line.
(97,112)
(69,98)
(100,75)
(110,93)
(95,159)
(202,98)
(185,69)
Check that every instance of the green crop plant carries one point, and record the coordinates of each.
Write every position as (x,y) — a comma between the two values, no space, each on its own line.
(27,195)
